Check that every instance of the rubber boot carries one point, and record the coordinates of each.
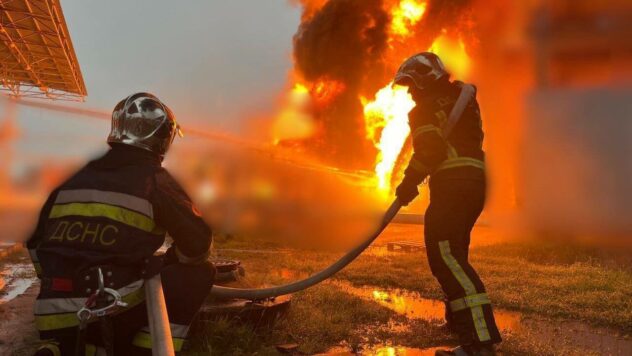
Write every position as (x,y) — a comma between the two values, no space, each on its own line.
(487,350)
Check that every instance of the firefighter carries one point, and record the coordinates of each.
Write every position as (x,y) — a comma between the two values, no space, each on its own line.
(114,214)
(455,164)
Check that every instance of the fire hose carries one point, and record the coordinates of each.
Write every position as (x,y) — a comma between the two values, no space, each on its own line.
(265,293)
(468,92)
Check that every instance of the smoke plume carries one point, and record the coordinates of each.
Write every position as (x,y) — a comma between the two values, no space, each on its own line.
(350,43)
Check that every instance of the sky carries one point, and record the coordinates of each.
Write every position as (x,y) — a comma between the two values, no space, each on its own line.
(212,61)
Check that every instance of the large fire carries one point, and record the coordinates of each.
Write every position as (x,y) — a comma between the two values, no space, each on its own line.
(405,15)
(385,113)
(386,120)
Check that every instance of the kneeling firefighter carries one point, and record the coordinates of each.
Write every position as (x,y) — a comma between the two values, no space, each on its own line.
(447,135)
(108,220)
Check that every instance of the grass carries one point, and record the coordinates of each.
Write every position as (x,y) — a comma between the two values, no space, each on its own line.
(539,280)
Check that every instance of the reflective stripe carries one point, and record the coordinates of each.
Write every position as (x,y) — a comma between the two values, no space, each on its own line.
(122,215)
(455,268)
(66,305)
(469,302)
(478,316)
(182,258)
(143,339)
(419,167)
(425,129)
(111,198)
(461,162)
(68,317)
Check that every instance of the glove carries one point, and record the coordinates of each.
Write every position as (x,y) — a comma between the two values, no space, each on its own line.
(407,190)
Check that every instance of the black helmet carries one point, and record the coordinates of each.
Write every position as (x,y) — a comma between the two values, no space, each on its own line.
(421,70)
(142,120)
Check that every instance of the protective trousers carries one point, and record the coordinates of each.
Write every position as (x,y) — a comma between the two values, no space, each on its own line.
(185,288)
(455,205)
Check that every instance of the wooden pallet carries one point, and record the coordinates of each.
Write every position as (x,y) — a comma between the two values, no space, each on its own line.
(406,246)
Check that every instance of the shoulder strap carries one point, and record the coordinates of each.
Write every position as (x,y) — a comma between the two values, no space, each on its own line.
(467,94)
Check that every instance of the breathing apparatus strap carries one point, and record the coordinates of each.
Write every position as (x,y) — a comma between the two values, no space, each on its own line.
(467,94)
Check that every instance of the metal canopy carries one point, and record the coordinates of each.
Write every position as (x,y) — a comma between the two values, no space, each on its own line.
(37,59)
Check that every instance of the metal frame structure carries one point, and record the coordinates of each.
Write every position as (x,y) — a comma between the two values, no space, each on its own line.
(37,59)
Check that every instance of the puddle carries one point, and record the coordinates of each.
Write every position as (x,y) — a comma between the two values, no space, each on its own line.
(15,279)
(569,333)
(383,351)
(412,306)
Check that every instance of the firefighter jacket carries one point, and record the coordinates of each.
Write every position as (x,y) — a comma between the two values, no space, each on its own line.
(115,211)
(460,155)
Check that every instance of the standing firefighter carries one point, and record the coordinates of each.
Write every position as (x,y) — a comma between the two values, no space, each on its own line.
(109,219)
(447,139)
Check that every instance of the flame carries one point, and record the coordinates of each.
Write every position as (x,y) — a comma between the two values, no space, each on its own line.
(386,114)
(325,91)
(406,15)
(386,117)
(386,122)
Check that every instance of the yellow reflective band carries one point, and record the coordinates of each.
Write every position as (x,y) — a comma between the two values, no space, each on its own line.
(425,129)
(469,302)
(111,198)
(69,320)
(477,312)
(56,321)
(122,215)
(455,268)
(419,167)
(143,340)
(462,162)
(479,324)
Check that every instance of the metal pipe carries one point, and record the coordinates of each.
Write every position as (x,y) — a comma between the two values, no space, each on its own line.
(258,294)
(161,341)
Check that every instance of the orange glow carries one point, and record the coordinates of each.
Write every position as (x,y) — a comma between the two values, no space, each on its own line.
(386,111)
(405,16)
(386,120)
(294,121)
(324,91)
(452,53)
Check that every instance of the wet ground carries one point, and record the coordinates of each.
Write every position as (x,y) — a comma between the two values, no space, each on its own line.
(18,290)
(602,341)
(16,276)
